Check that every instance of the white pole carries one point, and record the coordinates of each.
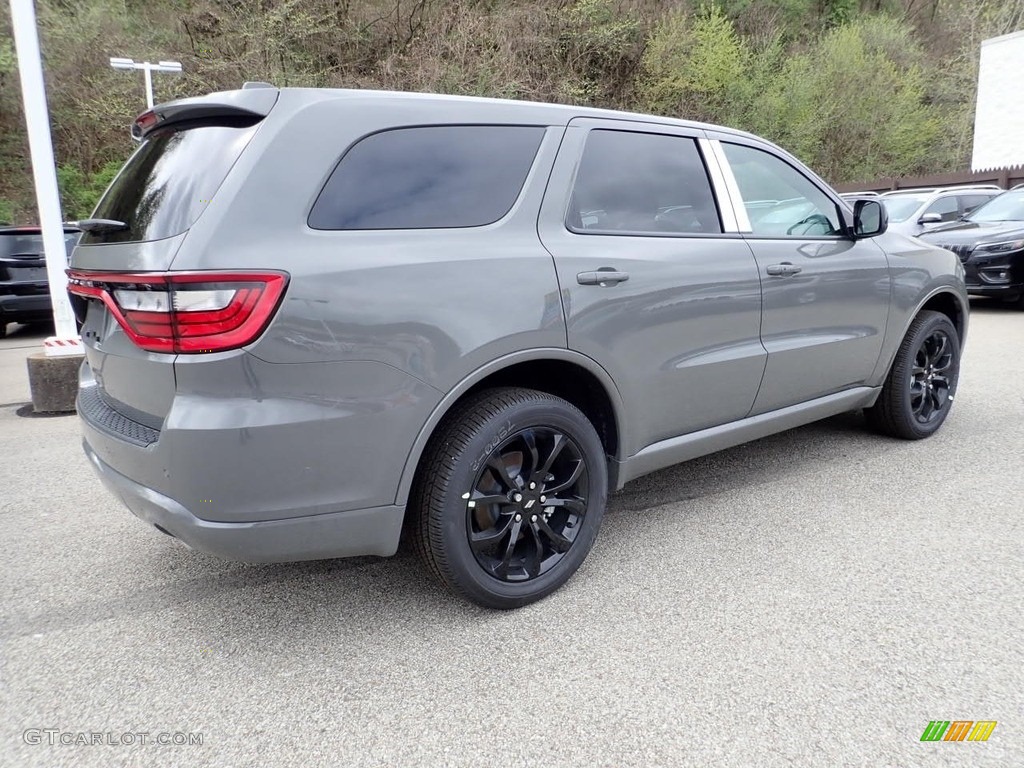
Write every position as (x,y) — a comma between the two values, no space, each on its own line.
(149,84)
(37,120)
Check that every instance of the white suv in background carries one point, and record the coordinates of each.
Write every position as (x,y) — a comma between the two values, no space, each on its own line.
(913,211)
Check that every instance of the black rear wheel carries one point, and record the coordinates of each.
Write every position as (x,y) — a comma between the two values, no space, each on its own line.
(509,496)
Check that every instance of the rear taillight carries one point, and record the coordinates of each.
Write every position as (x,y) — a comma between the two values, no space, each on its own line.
(185,311)
(144,122)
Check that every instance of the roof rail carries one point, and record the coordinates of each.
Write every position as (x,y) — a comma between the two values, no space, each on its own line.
(929,190)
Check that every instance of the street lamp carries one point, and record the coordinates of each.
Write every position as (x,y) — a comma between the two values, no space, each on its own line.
(145,66)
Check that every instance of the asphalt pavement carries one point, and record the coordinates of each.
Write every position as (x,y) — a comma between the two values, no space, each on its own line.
(811,599)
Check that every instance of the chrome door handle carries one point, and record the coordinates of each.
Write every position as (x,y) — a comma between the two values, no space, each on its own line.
(785,269)
(603,276)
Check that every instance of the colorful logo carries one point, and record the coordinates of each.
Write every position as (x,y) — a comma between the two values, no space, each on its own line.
(958,730)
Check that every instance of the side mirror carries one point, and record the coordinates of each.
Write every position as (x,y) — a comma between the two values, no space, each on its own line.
(930,218)
(869,219)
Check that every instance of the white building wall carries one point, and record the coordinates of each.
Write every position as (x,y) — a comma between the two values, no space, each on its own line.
(999,118)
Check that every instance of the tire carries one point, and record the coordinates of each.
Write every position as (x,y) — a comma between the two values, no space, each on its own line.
(475,481)
(918,393)
(3,328)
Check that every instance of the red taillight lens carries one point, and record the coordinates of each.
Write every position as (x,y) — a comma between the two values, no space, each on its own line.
(185,311)
(143,122)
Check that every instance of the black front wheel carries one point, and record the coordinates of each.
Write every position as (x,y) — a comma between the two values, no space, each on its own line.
(509,496)
(919,390)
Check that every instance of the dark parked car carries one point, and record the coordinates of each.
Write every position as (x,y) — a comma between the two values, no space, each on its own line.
(313,316)
(990,243)
(24,288)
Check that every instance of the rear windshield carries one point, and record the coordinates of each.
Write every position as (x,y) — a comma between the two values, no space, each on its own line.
(169,180)
(13,244)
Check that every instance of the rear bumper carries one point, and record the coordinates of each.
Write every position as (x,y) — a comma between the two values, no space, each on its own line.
(373,531)
(242,441)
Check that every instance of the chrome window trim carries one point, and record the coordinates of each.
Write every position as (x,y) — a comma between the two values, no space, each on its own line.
(719,185)
(732,188)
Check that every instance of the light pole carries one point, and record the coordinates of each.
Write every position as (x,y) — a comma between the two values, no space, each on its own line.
(145,66)
(37,121)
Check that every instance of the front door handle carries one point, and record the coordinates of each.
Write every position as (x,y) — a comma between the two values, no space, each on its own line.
(604,276)
(785,269)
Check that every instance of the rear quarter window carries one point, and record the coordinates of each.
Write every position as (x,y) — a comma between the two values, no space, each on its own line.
(428,178)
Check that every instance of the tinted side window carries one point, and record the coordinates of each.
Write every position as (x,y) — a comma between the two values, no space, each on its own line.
(431,177)
(780,201)
(946,207)
(970,202)
(641,183)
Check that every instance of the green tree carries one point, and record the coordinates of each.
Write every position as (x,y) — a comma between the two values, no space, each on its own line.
(600,47)
(695,67)
(854,106)
(853,86)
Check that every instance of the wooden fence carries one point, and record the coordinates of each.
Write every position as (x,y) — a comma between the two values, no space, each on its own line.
(1004,178)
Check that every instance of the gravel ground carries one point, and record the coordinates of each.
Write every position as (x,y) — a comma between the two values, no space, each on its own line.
(812,599)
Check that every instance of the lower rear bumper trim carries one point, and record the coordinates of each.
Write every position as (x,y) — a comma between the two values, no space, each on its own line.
(372,531)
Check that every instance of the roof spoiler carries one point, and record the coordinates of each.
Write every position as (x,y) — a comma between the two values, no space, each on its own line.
(249,102)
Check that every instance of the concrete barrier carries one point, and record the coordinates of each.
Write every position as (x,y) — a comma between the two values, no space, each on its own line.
(53,382)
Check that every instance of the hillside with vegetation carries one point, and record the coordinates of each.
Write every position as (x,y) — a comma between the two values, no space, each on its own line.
(856,88)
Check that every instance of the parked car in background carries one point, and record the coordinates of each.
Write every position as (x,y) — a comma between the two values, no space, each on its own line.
(990,244)
(476,318)
(24,288)
(913,211)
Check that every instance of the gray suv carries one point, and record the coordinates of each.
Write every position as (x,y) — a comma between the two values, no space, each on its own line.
(315,319)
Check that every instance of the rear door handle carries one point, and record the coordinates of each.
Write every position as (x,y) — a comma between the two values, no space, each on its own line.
(785,269)
(603,276)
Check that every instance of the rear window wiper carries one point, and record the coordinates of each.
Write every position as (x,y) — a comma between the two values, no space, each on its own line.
(100,225)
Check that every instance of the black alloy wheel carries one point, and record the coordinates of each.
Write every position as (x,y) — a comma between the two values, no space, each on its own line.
(527,503)
(509,496)
(919,390)
(930,386)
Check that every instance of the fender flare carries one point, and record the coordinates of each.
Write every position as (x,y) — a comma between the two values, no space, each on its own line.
(961,302)
(506,361)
